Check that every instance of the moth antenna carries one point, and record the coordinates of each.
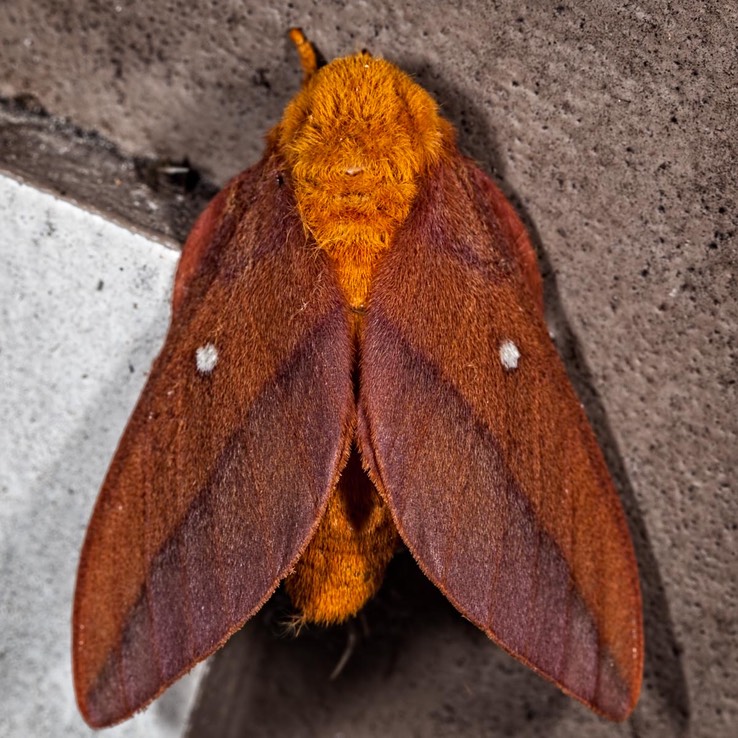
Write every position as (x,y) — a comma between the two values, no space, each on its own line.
(352,638)
(310,58)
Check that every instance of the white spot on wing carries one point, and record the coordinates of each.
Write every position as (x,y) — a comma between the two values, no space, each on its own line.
(206,358)
(509,355)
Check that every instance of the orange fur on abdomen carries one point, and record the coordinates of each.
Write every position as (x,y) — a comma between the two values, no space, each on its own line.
(344,564)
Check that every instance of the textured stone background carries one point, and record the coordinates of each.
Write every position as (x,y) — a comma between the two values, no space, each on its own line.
(613,130)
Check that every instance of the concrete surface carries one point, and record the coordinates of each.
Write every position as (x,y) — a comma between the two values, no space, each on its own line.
(84,306)
(154,195)
(613,129)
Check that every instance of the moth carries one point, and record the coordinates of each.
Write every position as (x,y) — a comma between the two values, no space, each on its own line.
(357,357)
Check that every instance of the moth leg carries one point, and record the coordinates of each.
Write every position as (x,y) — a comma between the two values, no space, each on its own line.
(352,638)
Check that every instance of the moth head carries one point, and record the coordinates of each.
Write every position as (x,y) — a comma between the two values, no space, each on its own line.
(357,138)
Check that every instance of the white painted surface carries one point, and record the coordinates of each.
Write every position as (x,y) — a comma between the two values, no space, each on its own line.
(84,306)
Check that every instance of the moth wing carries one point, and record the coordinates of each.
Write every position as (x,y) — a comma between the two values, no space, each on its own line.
(483,451)
(226,464)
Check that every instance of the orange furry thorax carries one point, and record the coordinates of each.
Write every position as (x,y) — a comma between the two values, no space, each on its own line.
(357,138)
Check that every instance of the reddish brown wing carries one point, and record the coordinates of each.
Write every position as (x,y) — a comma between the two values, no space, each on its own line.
(493,474)
(224,470)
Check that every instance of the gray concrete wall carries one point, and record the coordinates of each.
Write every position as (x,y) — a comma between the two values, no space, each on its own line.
(613,130)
